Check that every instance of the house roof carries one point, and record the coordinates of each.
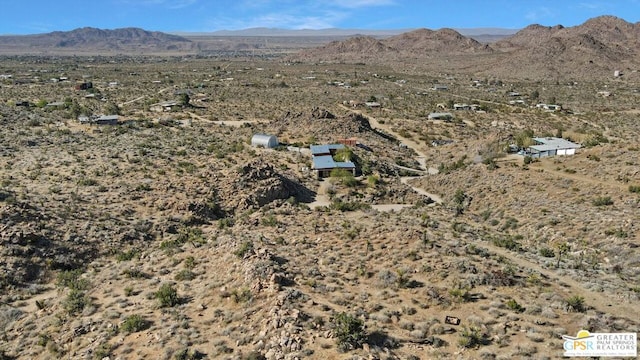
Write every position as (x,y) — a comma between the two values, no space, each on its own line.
(326,162)
(325,148)
(108,117)
(436,115)
(552,143)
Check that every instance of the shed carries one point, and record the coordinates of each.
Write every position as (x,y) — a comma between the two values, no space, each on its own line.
(264,140)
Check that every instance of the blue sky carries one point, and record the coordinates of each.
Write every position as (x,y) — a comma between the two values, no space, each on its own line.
(39,16)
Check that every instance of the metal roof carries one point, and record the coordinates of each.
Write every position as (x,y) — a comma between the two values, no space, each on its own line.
(324,149)
(552,143)
(108,117)
(323,162)
(327,162)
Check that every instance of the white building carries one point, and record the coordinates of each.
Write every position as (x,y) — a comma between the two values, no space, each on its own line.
(552,146)
(264,140)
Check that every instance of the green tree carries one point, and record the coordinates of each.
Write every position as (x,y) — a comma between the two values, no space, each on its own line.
(524,139)
(111,109)
(184,99)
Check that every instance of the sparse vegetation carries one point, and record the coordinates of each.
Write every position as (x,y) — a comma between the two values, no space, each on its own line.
(250,255)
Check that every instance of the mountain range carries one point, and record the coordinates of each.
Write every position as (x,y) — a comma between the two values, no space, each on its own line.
(594,48)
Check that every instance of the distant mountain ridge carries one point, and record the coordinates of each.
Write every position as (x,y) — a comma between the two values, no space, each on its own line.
(262,31)
(88,38)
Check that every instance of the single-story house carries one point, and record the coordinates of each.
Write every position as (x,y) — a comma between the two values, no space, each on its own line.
(549,107)
(440,116)
(163,106)
(552,146)
(323,162)
(440,87)
(264,140)
(107,120)
(372,104)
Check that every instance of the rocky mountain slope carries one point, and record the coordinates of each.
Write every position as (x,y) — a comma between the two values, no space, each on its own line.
(594,48)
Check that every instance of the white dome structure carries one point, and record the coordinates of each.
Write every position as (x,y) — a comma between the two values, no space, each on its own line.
(264,140)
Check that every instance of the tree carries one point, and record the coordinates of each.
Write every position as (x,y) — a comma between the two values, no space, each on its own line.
(184,99)
(111,109)
(561,250)
(524,139)
(534,95)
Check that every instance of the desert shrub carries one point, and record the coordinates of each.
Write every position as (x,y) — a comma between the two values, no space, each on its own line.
(634,189)
(185,274)
(134,323)
(76,301)
(460,293)
(348,206)
(87,182)
(127,255)
(254,355)
(167,295)
(349,331)
(269,220)
(244,248)
(619,233)
(241,295)
(71,279)
(186,354)
(513,305)
(546,252)
(102,351)
(575,304)
(471,337)
(527,160)
(345,177)
(602,201)
(507,242)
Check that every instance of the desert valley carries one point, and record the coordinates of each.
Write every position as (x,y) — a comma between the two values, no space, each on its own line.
(402,205)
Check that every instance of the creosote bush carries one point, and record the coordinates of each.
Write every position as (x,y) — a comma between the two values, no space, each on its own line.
(167,295)
(349,331)
(134,323)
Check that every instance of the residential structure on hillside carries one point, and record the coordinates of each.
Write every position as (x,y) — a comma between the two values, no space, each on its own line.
(323,162)
(440,116)
(552,146)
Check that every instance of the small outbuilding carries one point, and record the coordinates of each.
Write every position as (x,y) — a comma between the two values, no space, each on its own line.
(264,140)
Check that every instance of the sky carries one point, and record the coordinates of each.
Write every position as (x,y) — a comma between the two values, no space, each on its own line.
(41,16)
